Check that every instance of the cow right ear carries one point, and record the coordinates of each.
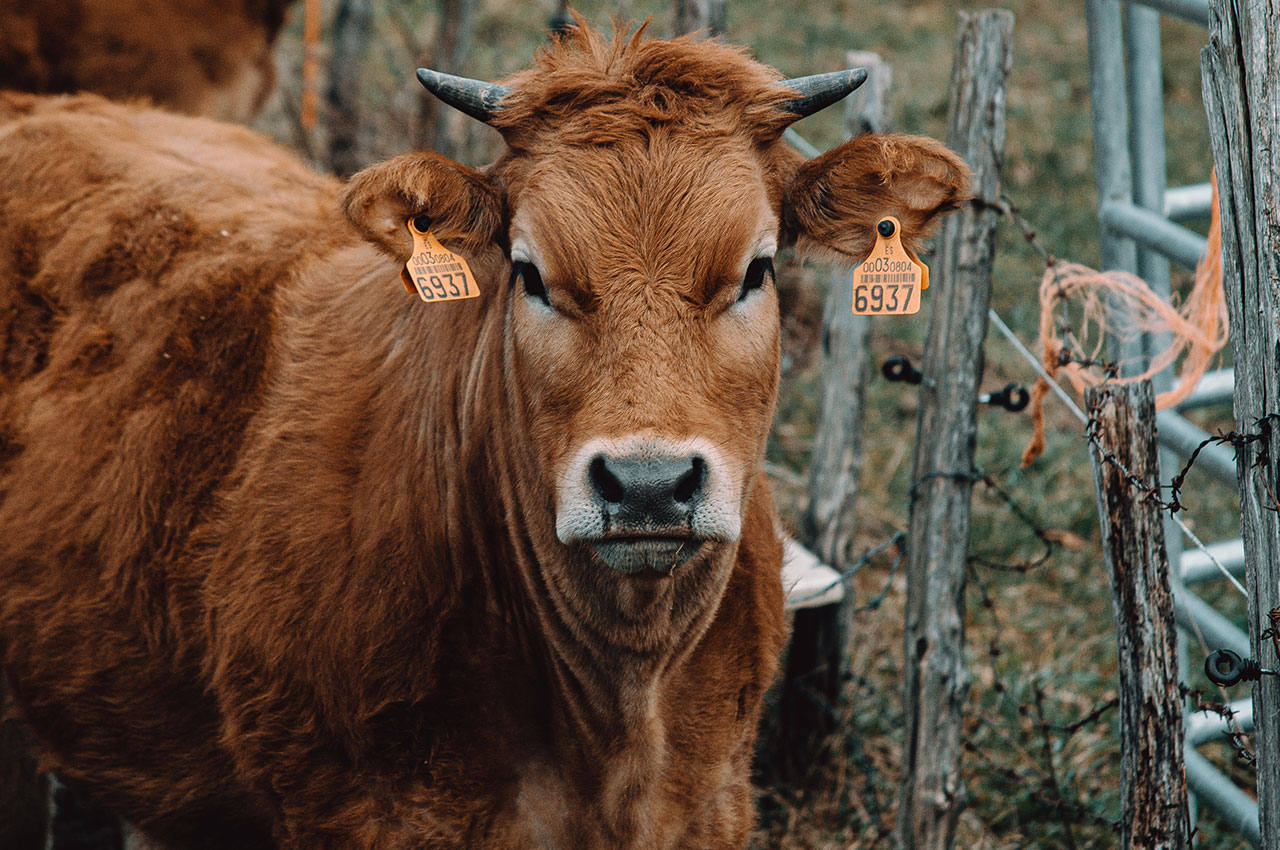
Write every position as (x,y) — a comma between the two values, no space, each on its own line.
(463,210)
(836,199)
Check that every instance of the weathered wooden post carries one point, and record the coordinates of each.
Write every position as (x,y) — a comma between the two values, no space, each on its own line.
(1241,74)
(352,24)
(1153,779)
(435,124)
(935,681)
(706,16)
(24,810)
(818,657)
(829,521)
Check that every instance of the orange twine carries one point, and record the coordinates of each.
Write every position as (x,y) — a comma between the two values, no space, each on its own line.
(1198,328)
(310,63)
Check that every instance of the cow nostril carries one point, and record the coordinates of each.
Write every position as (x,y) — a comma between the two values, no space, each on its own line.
(689,485)
(605,482)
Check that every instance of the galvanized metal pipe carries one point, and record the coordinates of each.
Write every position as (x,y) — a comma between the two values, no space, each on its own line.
(1203,727)
(1108,103)
(1215,387)
(1146,144)
(1178,433)
(1195,11)
(1199,619)
(1233,807)
(1196,566)
(1174,241)
(1187,202)
(800,143)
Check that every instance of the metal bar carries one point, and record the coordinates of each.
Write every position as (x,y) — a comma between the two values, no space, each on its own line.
(1107,103)
(1196,567)
(1215,387)
(1233,807)
(1146,145)
(1187,202)
(1195,11)
(1174,241)
(800,143)
(1199,619)
(1178,433)
(1204,727)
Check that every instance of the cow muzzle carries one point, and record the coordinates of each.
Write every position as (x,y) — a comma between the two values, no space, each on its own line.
(646,504)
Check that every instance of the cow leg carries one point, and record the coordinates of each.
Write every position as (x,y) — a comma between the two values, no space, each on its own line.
(24,810)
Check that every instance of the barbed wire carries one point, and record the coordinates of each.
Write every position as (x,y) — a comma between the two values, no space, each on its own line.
(1042,736)
(898,539)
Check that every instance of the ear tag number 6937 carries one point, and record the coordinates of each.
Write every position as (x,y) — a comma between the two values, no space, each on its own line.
(433,271)
(889,281)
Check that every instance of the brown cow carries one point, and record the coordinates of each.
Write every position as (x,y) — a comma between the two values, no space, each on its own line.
(201,57)
(289,558)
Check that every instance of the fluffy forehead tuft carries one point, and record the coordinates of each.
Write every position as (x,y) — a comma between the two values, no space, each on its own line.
(586,84)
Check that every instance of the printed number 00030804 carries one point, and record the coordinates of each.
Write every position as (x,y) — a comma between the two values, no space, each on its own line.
(441,289)
(877,295)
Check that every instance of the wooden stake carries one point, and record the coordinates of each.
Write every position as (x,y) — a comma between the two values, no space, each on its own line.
(1242,100)
(809,702)
(1153,778)
(352,26)
(935,681)
(701,16)
(24,812)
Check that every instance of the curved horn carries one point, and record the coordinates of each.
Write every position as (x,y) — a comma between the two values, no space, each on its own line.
(821,90)
(475,98)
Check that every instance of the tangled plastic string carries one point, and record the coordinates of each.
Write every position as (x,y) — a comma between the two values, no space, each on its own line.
(1197,329)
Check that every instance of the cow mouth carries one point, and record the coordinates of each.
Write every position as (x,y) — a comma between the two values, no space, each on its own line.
(640,553)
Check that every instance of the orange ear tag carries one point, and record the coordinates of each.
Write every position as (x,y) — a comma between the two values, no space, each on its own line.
(889,281)
(435,272)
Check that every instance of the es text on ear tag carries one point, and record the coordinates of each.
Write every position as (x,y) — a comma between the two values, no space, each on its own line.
(435,272)
(889,281)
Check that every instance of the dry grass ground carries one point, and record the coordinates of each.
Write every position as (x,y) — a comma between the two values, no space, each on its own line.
(1041,641)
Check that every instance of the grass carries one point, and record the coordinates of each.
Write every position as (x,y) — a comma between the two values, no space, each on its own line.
(1041,642)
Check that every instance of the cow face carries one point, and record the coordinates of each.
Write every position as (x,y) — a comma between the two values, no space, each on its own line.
(640,212)
(645,333)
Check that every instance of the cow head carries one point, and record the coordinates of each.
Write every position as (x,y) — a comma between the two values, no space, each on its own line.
(644,194)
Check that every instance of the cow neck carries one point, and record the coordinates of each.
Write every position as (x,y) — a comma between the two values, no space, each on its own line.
(606,646)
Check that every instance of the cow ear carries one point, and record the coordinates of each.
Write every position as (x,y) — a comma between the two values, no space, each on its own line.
(836,199)
(464,211)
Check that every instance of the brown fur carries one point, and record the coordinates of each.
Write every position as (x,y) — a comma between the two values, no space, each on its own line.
(201,57)
(278,559)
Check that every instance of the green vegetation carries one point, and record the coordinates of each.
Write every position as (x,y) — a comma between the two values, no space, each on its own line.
(1041,642)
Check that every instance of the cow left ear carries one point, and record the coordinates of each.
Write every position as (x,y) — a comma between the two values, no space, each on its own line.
(462,209)
(836,199)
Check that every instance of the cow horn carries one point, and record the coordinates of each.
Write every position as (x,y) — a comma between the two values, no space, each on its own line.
(821,90)
(475,98)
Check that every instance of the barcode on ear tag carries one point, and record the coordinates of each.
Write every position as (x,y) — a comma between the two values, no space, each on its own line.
(435,272)
(889,281)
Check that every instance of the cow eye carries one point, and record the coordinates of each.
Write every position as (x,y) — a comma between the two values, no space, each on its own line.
(755,276)
(531,280)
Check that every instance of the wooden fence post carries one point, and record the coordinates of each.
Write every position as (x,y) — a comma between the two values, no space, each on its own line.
(24,811)
(1153,779)
(935,681)
(818,656)
(352,25)
(1240,69)
(829,521)
(439,128)
(706,16)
